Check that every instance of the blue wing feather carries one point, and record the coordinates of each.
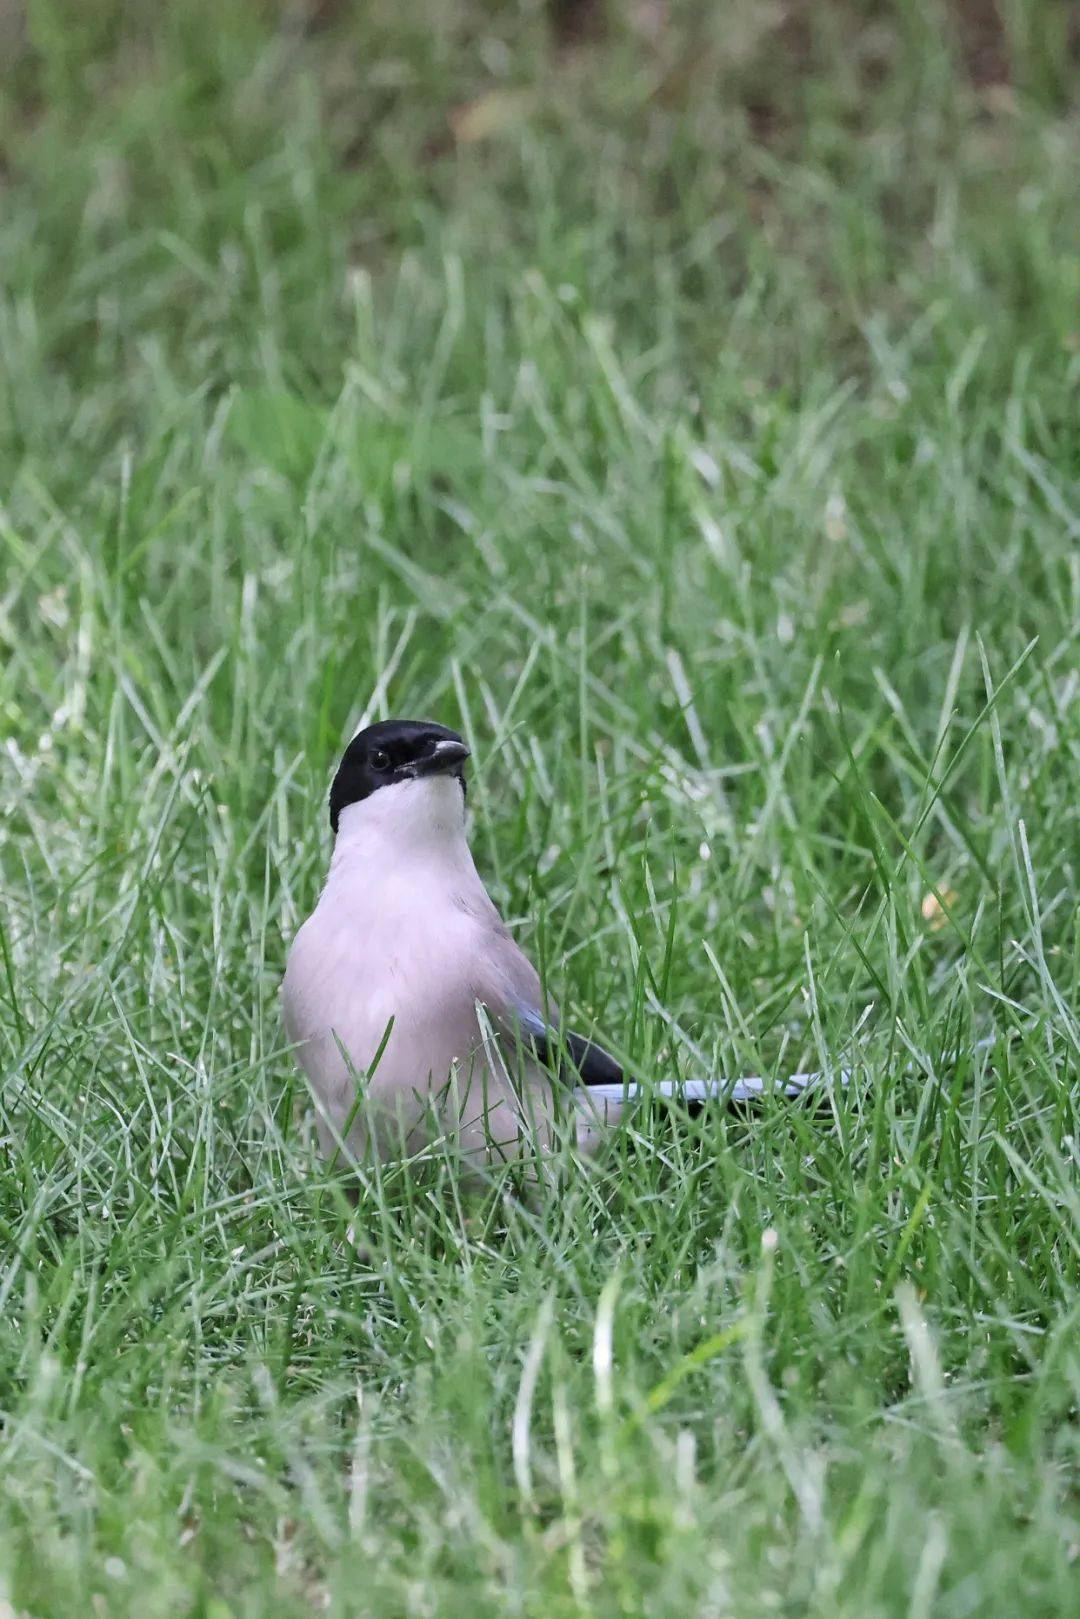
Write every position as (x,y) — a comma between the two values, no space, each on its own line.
(561,1050)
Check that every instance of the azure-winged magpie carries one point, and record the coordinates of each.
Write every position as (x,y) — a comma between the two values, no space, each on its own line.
(405,983)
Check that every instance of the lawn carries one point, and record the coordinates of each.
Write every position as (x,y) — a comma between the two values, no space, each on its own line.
(685,407)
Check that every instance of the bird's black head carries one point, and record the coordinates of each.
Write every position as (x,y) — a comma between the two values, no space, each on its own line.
(393,751)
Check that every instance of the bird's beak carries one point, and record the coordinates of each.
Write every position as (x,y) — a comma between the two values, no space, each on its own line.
(446,755)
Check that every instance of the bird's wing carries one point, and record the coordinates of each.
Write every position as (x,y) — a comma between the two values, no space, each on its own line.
(510,988)
(570,1055)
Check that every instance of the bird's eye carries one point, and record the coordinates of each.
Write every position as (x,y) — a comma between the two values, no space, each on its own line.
(380,759)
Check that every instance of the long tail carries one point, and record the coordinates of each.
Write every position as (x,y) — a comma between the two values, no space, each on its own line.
(602,1105)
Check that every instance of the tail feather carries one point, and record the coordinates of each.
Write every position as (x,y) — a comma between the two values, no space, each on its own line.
(710,1090)
(601,1106)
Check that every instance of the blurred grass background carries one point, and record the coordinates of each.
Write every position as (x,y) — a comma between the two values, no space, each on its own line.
(681,398)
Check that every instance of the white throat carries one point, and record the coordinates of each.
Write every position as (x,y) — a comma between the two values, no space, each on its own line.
(409,823)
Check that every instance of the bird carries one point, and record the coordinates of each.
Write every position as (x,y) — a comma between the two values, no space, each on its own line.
(412,1010)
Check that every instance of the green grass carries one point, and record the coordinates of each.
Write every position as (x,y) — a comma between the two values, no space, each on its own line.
(700,436)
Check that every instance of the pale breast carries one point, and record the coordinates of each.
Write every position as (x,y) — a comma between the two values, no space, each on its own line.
(401,947)
(352,978)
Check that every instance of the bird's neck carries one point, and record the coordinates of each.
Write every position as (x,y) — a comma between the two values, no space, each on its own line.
(414,828)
